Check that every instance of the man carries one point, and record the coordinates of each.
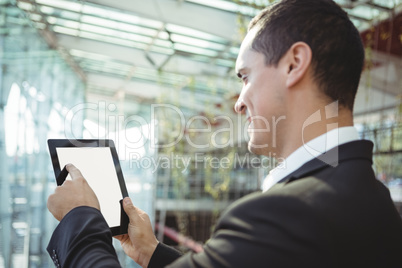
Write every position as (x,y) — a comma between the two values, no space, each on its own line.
(300,64)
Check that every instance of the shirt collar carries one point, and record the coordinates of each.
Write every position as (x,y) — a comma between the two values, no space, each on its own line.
(308,151)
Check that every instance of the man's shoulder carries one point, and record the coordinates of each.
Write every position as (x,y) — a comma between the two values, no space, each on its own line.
(321,192)
(259,205)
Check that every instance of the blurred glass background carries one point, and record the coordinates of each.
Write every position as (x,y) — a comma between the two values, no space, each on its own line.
(133,71)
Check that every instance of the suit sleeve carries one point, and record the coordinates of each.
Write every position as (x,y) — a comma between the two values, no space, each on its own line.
(83,239)
(262,233)
(163,255)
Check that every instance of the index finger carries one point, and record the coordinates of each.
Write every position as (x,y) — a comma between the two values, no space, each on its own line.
(75,173)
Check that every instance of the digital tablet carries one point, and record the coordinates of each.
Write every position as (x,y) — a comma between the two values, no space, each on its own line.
(99,164)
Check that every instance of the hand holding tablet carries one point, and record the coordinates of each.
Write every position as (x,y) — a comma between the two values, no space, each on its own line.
(97,162)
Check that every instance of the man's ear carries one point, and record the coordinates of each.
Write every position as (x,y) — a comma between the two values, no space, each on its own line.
(298,62)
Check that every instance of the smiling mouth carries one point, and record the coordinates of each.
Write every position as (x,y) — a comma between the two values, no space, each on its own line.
(248,117)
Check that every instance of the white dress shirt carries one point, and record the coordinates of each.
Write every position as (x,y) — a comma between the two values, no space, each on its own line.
(308,151)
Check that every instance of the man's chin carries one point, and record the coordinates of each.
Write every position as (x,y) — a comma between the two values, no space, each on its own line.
(258,150)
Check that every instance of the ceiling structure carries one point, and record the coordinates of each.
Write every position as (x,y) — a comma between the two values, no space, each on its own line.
(138,51)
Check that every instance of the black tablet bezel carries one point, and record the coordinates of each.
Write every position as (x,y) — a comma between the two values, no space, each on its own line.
(60,143)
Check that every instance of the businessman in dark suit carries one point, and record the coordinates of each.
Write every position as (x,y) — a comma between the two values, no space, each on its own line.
(301,63)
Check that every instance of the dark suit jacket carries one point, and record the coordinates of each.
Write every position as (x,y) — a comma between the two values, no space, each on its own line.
(318,216)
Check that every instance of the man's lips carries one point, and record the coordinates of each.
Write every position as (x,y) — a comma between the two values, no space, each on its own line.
(248,117)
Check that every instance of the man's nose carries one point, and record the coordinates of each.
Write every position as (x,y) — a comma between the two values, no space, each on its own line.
(240,107)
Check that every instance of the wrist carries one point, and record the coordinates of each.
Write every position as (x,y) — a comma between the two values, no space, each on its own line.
(146,253)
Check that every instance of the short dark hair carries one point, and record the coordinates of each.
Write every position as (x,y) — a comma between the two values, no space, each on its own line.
(338,52)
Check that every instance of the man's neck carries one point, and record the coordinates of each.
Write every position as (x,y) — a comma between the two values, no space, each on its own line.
(301,129)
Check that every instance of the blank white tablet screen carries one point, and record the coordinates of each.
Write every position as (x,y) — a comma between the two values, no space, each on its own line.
(97,167)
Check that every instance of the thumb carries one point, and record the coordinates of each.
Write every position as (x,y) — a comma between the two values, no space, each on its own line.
(134,213)
(129,207)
